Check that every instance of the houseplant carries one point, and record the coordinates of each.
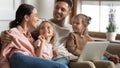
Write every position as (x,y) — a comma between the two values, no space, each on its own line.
(111,29)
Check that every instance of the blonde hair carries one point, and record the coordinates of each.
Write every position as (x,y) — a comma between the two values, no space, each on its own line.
(52,41)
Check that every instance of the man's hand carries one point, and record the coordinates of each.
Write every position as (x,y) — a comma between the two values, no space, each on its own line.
(55,52)
(114,58)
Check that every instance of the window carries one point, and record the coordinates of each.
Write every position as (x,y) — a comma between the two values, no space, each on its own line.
(98,11)
(7,12)
(7,9)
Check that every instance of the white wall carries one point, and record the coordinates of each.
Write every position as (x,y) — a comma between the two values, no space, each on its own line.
(8,8)
(7,12)
(44,7)
(3,25)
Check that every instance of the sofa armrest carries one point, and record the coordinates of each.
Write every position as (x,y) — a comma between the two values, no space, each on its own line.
(114,48)
(95,64)
(104,64)
(83,64)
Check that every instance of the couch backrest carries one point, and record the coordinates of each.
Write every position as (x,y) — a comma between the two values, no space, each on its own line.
(114,48)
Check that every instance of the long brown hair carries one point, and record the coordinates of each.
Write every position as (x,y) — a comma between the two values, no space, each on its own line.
(24,9)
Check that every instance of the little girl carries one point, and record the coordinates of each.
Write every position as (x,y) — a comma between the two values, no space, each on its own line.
(78,39)
(44,44)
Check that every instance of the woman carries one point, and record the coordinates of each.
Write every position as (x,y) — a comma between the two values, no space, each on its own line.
(19,52)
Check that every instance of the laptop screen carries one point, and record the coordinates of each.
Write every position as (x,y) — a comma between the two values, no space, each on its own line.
(93,51)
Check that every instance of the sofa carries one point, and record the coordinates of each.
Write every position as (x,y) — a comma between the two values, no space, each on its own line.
(113,48)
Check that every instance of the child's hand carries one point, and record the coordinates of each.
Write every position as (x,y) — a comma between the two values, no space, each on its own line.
(42,38)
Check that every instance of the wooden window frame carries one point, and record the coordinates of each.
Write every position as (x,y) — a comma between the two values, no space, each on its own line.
(74,10)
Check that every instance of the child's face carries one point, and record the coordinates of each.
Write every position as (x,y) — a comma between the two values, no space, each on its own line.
(46,29)
(77,25)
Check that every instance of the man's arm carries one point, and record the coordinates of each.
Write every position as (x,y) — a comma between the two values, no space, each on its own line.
(112,57)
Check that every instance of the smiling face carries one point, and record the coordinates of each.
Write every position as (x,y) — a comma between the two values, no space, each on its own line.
(46,29)
(61,10)
(78,25)
(33,19)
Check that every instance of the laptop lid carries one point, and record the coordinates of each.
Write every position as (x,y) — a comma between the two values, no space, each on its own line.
(93,51)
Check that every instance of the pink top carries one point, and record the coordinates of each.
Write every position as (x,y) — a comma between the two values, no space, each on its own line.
(21,43)
(44,49)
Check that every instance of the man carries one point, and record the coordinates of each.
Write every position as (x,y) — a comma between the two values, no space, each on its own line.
(61,10)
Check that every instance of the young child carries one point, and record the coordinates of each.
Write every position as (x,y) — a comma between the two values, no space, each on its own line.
(77,39)
(44,44)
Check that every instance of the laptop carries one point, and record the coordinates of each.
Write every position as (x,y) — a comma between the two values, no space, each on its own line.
(93,51)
